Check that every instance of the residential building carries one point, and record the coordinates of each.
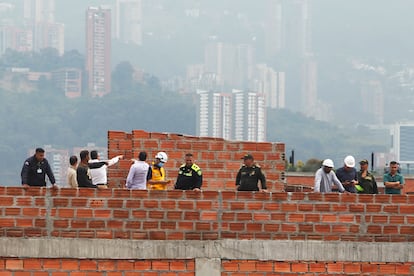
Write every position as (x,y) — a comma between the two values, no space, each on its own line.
(69,80)
(270,83)
(39,16)
(402,143)
(98,50)
(15,38)
(214,114)
(372,100)
(249,111)
(128,26)
(288,28)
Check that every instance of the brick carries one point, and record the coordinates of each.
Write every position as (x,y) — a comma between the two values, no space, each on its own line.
(387,268)
(282,267)
(14,264)
(88,265)
(369,268)
(52,264)
(66,213)
(352,268)
(299,267)
(7,222)
(32,264)
(335,268)
(70,264)
(6,201)
(160,265)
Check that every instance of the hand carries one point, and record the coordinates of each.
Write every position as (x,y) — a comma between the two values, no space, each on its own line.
(25,186)
(264,191)
(55,186)
(197,189)
(120,156)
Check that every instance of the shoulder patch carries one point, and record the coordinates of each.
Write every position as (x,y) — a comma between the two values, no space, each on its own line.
(27,163)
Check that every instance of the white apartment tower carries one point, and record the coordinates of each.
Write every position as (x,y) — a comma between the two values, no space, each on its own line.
(233,64)
(288,28)
(98,50)
(40,15)
(39,10)
(249,112)
(128,21)
(214,114)
(270,83)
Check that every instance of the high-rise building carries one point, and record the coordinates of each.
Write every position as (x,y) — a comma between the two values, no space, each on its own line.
(40,17)
(233,64)
(240,115)
(15,38)
(270,83)
(128,21)
(214,114)
(69,80)
(39,11)
(309,89)
(49,35)
(98,50)
(249,116)
(372,99)
(403,147)
(288,28)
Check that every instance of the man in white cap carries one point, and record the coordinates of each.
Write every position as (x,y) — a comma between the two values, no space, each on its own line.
(325,178)
(348,175)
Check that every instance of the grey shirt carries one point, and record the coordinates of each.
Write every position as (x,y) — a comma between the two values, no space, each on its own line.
(324,182)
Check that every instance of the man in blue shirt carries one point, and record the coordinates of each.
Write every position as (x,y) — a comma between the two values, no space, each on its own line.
(393,181)
(348,175)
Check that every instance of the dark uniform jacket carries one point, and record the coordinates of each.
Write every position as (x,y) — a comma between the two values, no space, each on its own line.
(368,184)
(189,178)
(83,176)
(248,177)
(34,172)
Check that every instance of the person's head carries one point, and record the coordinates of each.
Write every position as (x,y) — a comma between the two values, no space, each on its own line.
(327,165)
(363,164)
(73,160)
(393,167)
(349,162)
(248,160)
(161,158)
(94,154)
(142,156)
(40,154)
(84,156)
(189,159)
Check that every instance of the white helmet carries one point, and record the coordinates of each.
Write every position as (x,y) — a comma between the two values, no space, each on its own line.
(349,161)
(162,156)
(328,163)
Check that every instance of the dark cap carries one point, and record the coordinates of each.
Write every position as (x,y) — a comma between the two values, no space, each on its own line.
(363,161)
(247,156)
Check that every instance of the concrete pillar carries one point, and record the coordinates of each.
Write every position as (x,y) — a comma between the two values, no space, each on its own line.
(207,267)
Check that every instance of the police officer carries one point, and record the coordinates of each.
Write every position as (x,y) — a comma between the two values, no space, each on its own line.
(249,175)
(35,169)
(189,175)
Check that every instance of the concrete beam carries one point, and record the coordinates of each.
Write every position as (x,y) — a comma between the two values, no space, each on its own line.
(208,250)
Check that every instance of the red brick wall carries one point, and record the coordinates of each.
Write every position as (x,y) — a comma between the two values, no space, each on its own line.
(219,159)
(250,267)
(68,267)
(209,215)
(87,267)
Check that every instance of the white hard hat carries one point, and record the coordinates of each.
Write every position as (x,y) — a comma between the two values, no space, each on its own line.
(162,156)
(328,163)
(349,161)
